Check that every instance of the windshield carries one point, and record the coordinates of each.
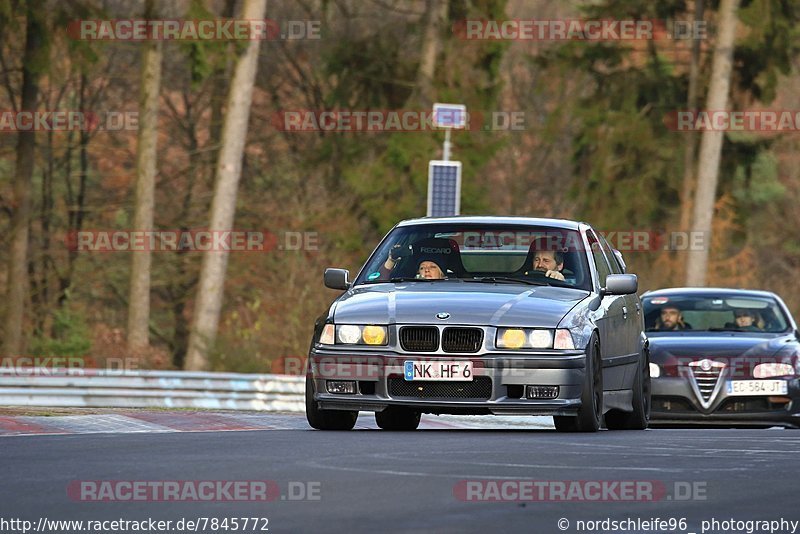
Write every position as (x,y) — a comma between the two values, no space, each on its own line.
(704,313)
(534,255)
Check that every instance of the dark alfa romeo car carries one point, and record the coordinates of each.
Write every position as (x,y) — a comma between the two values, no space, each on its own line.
(722,357)
(483,315)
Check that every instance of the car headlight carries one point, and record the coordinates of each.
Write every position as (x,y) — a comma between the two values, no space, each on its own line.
(768,370)
(655,370)
(327,336)
(533,338)
(511,338)
(374,335)
(563,340)
(352,334)
(540,339)
(349,334)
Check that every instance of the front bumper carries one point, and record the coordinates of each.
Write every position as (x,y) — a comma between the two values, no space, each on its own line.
(675,403)
(508,373)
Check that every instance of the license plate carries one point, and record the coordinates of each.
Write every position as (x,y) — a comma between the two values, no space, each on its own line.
(446,371)
(757,387)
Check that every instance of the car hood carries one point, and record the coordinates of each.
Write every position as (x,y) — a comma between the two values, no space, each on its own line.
(714,345)
(467,303)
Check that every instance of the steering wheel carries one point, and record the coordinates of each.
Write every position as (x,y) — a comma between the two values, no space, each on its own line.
(568,275)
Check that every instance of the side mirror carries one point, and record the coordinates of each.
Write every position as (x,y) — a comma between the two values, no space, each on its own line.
(621,284)
(337,278)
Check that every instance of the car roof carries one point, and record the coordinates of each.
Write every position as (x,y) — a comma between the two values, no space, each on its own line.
(485,219)
(708,292)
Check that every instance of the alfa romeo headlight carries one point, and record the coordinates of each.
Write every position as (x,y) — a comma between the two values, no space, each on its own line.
(655,370)
(768,370)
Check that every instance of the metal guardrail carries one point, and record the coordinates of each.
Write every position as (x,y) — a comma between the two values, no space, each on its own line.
(96,388)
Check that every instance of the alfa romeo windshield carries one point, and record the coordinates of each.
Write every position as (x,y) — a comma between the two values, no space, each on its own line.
(710,314)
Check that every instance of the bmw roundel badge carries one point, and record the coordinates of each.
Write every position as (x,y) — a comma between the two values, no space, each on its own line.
(443,315)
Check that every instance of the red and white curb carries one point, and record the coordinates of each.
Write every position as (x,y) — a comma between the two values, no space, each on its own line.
(172,421)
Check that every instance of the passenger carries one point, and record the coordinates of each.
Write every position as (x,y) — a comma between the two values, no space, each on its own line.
(671,319)
(428,266)
(746,320)
(396,253)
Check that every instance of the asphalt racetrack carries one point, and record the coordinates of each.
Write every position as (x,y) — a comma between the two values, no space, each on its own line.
(452,475)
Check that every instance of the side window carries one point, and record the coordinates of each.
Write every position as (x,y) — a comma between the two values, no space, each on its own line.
(600,262)
(612,258)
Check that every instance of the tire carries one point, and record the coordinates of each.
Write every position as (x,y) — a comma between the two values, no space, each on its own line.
(639,418)
(394,418)
(591,411)
(326,419)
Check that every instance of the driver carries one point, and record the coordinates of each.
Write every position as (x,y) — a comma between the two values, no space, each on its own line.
(671,319)
(549,262)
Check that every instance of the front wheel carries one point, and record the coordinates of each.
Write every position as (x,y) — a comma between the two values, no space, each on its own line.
(591,411)
(326,419)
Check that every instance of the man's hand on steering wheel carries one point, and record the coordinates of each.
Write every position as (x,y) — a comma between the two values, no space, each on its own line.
(556,275)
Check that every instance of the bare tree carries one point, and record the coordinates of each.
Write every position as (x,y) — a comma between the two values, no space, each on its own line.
(690,142)
(223,206)
(32,63)
(435,17)
(139,301)
(711,143)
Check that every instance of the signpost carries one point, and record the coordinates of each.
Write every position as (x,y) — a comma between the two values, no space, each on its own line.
(444,188)
(444,176)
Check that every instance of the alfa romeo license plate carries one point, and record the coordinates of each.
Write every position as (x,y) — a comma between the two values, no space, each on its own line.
(447,371)
(757,387)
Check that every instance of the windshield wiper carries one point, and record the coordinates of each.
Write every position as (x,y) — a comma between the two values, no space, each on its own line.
(506,280)
(721,329)
(413,279)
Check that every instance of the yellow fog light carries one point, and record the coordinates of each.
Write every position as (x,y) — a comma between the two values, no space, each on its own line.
(374,335)
(512,339)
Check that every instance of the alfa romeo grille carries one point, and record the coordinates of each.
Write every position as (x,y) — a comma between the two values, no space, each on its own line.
(480,388)
(419,338)
(462,339)
(706,374)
